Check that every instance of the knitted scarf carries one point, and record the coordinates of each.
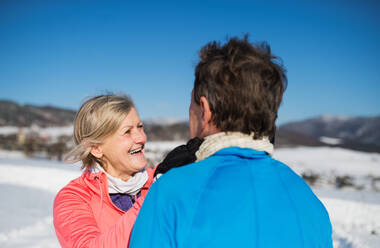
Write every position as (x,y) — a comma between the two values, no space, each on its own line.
(215,142)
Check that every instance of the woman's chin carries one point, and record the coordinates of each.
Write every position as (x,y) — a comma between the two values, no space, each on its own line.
(139,160)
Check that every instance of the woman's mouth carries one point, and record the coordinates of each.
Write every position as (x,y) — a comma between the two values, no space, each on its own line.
(137,150)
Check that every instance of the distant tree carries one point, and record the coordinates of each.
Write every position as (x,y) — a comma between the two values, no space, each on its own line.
(178,131)
(310,177)
(375,183)
(59,148)
(9,142)
(344,181)
(56,150)
(32,144)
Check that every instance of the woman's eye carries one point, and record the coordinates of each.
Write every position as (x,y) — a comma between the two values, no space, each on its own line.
(128,131)
(140,126)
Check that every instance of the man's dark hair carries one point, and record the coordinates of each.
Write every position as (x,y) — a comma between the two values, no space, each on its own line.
(243,84)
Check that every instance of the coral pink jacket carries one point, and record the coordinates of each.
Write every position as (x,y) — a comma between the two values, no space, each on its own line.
(84,215)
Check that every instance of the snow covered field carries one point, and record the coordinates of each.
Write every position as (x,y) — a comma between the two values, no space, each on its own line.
(28,187)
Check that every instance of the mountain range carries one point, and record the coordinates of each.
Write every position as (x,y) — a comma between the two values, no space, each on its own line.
(13,114)
(359,133)
(345,130)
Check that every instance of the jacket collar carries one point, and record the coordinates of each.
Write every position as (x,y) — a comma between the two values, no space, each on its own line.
(218,141)
(95,180)
(241,152)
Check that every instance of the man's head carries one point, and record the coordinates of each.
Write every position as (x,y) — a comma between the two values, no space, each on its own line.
(238,87)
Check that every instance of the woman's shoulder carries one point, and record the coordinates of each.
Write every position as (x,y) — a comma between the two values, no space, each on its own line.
(80,188)
(150,180)
(150,171)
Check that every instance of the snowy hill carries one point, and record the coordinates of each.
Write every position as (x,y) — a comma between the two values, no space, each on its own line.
(358,133)
(28,188)
(13,114)
(164,121)
(364,130)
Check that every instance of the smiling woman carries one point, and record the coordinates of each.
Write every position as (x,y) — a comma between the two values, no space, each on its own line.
(99,208)
(122,153)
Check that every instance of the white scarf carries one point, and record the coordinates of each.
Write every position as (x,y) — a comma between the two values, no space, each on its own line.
(130,187)
(215,142)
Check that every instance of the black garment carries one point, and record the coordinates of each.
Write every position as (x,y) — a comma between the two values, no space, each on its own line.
(179,156)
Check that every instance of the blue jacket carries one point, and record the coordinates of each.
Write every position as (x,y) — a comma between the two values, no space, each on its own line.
(238,197)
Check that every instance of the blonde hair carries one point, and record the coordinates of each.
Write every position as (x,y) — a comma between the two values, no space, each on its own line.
(98,118)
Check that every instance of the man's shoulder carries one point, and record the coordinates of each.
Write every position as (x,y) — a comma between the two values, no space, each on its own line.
(180,176)
(200,170)
(181,183)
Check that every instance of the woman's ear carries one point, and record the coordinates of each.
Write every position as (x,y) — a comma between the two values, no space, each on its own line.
(96,151)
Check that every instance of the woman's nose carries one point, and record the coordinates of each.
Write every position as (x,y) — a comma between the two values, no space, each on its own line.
(139,136)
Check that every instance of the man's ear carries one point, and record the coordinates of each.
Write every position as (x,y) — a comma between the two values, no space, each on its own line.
(206,112)
(96,151)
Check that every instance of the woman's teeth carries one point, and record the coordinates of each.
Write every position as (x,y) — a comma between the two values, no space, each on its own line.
(135,151)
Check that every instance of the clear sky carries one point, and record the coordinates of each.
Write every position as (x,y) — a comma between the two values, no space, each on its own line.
(61,52)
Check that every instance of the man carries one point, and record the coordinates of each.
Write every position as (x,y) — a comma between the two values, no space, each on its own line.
(236,194)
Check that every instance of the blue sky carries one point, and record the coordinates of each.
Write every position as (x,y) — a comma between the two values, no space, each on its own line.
(61,52)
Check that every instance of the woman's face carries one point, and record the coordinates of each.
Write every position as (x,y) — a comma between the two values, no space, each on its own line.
(123,152)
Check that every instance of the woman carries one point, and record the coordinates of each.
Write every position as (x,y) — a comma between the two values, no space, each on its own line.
(99,208)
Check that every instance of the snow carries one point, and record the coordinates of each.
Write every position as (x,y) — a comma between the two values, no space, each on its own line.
(329,163)
(333,118)
(164,121)
(56,131)
(28,188)
(7,130)
(52,132)
(30,185)
(326,160)
(355,217)
(13,154)
(330,141)
(155,150)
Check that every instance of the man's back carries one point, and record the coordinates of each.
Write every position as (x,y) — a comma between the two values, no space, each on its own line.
(238,197)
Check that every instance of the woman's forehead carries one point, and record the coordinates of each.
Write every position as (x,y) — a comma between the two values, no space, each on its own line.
(131,118)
